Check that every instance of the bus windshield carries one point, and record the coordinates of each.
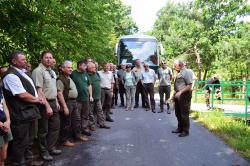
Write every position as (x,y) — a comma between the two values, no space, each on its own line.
(143,49)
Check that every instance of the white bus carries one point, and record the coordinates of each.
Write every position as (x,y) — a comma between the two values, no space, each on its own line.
(143,47)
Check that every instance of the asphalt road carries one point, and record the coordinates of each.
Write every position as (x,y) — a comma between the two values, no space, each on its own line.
(141,138)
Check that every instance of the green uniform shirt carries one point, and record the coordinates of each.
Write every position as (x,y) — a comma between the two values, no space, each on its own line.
(45,78)
(82,82)
(96,88)
(72,88)
(183,78)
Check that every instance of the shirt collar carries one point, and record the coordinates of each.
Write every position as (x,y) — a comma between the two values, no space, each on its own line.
(21,71)
(43,67)
(105,71)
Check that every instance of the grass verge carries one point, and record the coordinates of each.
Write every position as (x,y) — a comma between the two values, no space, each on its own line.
(235,133)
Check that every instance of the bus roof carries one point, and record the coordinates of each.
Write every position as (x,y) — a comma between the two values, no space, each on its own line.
(135,36)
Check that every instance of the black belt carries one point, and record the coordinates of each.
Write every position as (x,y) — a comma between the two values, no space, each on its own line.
(106,88)
(51,100)
(148,83)
(72,99)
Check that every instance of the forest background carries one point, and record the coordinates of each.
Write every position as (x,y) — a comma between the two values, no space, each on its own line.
(211,35)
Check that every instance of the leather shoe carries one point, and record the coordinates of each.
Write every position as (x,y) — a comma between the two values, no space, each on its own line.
(83,138)
(136,106)
(176,131)
(183,134)
(161,111)
(168,106)
(87,133)
(104,126)
(47,157)
(68,144)
(36,163)
(153,111)
(55,152)
(109,120)
(92,128)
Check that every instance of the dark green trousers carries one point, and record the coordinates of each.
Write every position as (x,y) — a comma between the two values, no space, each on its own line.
(96,111)
(182,109)
(71,124)
(48,129)
(22,139)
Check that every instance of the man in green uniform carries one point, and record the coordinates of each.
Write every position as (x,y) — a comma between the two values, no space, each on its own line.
(70,117)
(182,97)
(49,125)
(96,104)
(84,89)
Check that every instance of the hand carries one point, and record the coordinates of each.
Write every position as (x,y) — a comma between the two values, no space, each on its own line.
(177,95)
(49,111)
(91,99)
(66,111)
(1,125)
(57,105)
(6,126)
(41,101)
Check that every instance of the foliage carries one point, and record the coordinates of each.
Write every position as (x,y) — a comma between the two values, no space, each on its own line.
(201,28)
(235,133)
(70,29)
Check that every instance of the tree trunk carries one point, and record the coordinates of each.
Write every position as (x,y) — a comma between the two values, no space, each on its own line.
(198,60)
(205,74)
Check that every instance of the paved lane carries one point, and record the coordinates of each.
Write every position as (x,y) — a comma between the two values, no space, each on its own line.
(141,138)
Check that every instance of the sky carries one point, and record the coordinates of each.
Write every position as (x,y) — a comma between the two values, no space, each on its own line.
(144,11)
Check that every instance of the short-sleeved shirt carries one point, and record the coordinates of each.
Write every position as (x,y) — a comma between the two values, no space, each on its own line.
(164,75)
(72,88)
(115,73)
(82,82)
(148,76)
(129,79)
(13,83)
(107,79)
(213,81)
(45,78)
(138,72)
(96,88)
(183,78)
(120,73)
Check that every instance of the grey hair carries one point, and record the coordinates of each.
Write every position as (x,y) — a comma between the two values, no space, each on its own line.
(179,62)
(65,63)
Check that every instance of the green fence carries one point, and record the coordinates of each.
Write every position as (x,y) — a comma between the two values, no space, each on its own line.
(230,91)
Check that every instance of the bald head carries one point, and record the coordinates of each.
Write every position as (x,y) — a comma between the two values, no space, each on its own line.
(91,67)
(178,65)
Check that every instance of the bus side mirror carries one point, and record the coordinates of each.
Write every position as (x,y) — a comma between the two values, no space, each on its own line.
(161,49)
(116,49)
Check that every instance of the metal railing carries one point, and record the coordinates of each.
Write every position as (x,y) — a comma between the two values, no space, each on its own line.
(230,91)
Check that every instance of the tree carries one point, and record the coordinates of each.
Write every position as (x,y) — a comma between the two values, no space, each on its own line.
(194,30)
(70,29)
